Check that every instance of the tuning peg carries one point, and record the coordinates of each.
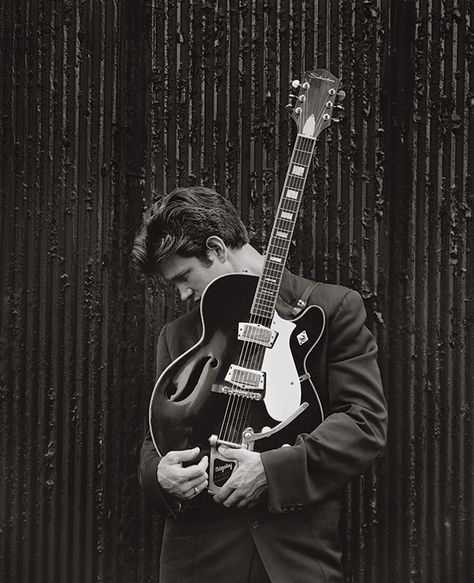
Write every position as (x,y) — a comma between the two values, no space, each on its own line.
(341,94)
(305,85)
(289,107)
(295,84)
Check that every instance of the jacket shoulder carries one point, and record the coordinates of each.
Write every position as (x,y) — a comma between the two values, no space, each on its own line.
(328,296)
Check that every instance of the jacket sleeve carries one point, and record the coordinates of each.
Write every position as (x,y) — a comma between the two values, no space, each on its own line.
(149,456)
(351,436)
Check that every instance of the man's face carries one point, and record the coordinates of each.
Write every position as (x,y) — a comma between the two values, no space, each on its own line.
(190,275)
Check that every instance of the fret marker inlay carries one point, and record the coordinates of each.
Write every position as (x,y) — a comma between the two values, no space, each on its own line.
(297,170)
(287,216)
(291,193)
(282,234)
(276,259)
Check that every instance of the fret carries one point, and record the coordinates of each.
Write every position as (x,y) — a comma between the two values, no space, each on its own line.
(287,214)
(306,152)
(272,269)
(289,205)
(295,183)
(263,313)
(276,275)
(272,278)
(269,289)
(276,249)
(305,160)
(266,293)
(295,179)
(263,305)
(291,208)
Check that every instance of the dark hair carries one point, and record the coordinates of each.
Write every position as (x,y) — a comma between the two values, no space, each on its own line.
(181,223)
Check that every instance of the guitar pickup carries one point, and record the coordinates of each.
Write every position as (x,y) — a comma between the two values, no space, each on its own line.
(245,378)
(257,333)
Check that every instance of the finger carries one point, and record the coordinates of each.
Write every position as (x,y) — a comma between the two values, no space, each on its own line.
(195,490)
(196,471)
(199,483)
(233,499)
(189,494)
(223,494)
(192,472)
(204,463)
(184,455)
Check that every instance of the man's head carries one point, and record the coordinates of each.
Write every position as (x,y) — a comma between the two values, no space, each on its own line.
(189,224)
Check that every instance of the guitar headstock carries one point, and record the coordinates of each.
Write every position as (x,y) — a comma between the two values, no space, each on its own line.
(319,95)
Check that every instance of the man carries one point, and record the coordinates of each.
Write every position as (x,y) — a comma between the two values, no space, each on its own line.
(276,518)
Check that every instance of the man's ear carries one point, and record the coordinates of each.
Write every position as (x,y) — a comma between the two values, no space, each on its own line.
(216,247)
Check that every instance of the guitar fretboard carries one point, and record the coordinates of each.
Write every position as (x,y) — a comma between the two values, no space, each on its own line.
(282,232)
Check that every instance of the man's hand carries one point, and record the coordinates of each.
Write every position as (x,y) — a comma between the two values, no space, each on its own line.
(248,481)
(187,482)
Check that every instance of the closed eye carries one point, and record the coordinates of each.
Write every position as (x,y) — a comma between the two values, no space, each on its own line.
(180,277)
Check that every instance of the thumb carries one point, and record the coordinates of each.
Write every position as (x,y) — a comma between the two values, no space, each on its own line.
(186,455)
(229,452)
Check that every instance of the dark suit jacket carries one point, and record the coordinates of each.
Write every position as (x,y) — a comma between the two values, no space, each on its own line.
(295,529)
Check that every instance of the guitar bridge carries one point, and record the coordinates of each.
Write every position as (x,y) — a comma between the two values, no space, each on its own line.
(235,392)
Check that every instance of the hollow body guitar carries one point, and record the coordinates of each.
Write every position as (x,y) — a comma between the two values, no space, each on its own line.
(263,403)
(246,382)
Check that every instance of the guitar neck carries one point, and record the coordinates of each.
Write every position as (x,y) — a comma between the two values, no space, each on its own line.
(283,228)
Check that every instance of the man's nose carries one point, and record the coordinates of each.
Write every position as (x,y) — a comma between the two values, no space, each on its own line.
(185,293)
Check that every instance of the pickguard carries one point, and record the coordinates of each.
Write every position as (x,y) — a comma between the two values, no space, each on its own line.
(283,389)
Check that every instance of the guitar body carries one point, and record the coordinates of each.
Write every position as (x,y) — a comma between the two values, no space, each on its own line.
(188,406)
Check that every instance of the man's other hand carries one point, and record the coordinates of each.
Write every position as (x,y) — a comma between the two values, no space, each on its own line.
(183,482)
(248,481)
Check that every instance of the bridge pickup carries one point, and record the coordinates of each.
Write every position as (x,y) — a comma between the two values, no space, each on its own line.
(257,333)
(245,378)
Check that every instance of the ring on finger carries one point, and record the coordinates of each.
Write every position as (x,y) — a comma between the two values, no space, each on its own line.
(196,491)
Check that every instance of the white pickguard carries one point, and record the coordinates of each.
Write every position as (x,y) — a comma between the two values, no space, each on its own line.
(282,387)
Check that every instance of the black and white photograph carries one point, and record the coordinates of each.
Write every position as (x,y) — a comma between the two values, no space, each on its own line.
(237,291)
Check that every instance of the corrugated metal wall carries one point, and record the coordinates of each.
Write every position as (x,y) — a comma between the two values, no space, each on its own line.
(106,104)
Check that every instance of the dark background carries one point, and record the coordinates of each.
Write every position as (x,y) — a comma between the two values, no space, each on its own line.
(105,105)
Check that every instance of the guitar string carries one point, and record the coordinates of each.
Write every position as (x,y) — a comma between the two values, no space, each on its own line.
(259,353)
(251,358)
(252,354)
